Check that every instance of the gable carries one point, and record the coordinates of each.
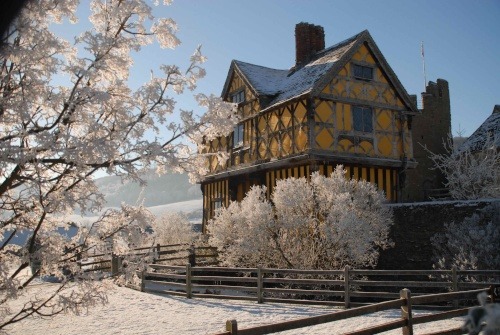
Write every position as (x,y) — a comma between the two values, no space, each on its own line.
(237,85)
(350,87)
(379,90)
(366,52)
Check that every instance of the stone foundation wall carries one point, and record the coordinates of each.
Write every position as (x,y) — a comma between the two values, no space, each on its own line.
(415,224)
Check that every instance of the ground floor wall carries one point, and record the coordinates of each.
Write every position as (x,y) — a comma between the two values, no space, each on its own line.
(221,192)
(415,224)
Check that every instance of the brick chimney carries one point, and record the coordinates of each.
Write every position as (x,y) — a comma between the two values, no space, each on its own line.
(309,39)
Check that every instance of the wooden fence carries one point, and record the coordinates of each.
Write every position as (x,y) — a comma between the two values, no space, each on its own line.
(346,288)
(406,322)
(160,254)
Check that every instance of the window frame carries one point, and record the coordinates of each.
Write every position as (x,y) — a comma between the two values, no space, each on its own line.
(363,68)
(366,127)
(238,134)
(238,97)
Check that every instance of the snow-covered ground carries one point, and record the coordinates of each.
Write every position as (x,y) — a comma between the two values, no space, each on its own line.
(188,207)
(133,312)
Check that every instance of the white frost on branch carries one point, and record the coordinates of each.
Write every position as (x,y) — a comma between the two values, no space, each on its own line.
(174,228)
(54,138)
(470,244)
(470,174)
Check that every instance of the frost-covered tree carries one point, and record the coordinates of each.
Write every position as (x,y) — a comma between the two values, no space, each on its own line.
(67,113)
(470,244)
(324,223)
(471,173)
(174,228)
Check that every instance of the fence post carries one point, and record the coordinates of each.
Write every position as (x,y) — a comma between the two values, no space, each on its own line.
(454,280)
(406,311)
(259,285)
(347,297)
(114,265)
(143,280)
(232,327)
(188,281)
(192,256)
(156,251)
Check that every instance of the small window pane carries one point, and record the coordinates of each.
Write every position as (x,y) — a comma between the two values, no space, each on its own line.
(362,119)
(238,135)
(367,72)
(358,71)
(358,118)
(363,72)
(238,97)
(367,120)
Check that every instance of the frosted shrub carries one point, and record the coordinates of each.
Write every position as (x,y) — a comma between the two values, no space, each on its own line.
(174,228)
(242,232)
(470,174)
(324,223)
(471,244)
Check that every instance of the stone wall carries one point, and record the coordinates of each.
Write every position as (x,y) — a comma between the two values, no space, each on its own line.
(415,224)
(429,129)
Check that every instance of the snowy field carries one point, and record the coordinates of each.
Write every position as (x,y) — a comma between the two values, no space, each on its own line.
(189,207)
(132,312)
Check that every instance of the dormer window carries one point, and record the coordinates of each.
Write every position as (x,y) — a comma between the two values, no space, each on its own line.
(363,72)
(238,97)
(238,135)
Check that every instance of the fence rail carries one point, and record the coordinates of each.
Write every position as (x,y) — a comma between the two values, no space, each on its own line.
(160,254)
(347,288)
(405,322)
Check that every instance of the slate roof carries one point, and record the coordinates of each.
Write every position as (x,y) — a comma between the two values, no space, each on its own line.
(280,86)
(264,80)
(488,130)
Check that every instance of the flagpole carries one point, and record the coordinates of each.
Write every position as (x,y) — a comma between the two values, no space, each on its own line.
(423,64)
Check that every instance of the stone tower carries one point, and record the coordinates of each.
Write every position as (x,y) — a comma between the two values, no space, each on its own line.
(430,129)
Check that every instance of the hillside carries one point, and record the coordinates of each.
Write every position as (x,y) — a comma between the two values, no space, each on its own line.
(160,190)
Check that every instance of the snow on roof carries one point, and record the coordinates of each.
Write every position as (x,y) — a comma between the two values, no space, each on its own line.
(264,80)
(489,130)
(284,85)
(303,80)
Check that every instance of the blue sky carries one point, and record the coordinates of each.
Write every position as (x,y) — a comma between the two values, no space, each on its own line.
(461,39)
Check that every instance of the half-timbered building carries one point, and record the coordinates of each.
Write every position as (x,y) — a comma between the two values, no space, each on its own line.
(337,105)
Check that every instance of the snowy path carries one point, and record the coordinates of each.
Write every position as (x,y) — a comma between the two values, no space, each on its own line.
(132,312)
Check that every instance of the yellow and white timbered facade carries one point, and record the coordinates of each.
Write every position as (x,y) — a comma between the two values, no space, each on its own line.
(355,113)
